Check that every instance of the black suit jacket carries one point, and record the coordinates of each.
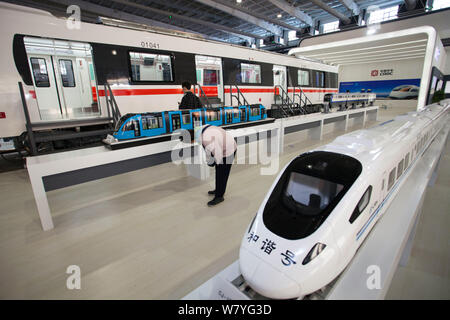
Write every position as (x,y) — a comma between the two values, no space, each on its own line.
(190,101)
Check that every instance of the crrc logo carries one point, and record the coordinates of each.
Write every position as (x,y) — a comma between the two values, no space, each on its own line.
(374,73)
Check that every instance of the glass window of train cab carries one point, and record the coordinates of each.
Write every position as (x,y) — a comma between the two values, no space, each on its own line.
(400,169)
(150,67)
(66,70)
(250,73)
(391,178)
(40,72)
(303,77)
(128,126)
(308,191)
(362,204)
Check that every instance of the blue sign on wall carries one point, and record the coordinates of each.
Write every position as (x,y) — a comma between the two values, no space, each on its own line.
(392,89)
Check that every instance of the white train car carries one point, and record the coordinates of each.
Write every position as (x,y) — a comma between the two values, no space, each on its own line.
(64,70)
(351,100)
(324,203)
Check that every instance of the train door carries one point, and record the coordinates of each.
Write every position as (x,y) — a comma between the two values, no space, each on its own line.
(210,77)
(279,79)
(45,87)
(69,85)
(137,128)
(176,121)
(72,87)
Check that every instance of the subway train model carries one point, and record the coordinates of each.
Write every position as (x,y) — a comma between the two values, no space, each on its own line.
(142,125)
(324,203)
(64,70)
(350,100)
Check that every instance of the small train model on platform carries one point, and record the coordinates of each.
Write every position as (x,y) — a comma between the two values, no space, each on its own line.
(132,126)
(351,100)
(324,203)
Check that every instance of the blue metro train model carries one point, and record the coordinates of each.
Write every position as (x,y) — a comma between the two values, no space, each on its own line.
(152,124)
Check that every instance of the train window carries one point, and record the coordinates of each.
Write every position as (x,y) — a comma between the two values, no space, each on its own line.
(66,70)
(303,78)
(151,122)
(150,67)
(320,79)
(236,113)
(391,179)
(400,169)
(254,112)
(40,72)
(362,204)
(187,118)
(129,126)
(212,115)
(211,77)
(407,160)
(250,73)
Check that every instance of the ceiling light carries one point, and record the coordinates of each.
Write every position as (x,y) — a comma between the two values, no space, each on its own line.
(279,15)
(238,1)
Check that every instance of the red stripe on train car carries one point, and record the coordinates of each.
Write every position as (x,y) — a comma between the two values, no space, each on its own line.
(252,90)
(141,92)
(314,90)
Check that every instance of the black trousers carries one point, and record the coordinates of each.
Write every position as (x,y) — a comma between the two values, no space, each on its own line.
(222,174)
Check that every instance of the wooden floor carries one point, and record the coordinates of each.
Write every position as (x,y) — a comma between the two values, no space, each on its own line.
(147,234)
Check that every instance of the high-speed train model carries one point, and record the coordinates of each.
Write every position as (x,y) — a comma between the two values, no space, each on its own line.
(64,70)
(133,126)
(324,203)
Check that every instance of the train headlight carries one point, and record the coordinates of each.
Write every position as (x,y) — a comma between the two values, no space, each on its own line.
(314,252)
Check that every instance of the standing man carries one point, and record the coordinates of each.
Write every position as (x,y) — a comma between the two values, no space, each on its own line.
(190,100)
(220,149)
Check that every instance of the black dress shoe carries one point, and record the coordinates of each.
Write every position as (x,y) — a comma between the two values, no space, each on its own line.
(215,201)
(212,192)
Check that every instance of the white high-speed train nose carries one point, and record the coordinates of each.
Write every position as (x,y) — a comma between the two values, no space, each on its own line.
(265,279)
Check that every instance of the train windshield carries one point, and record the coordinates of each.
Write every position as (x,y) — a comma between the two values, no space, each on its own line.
(120,123)
(309,195)
(311,186)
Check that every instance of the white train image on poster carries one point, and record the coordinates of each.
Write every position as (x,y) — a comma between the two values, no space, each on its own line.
(324,203)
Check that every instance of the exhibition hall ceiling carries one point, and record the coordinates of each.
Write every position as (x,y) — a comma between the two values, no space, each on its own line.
(233,21)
